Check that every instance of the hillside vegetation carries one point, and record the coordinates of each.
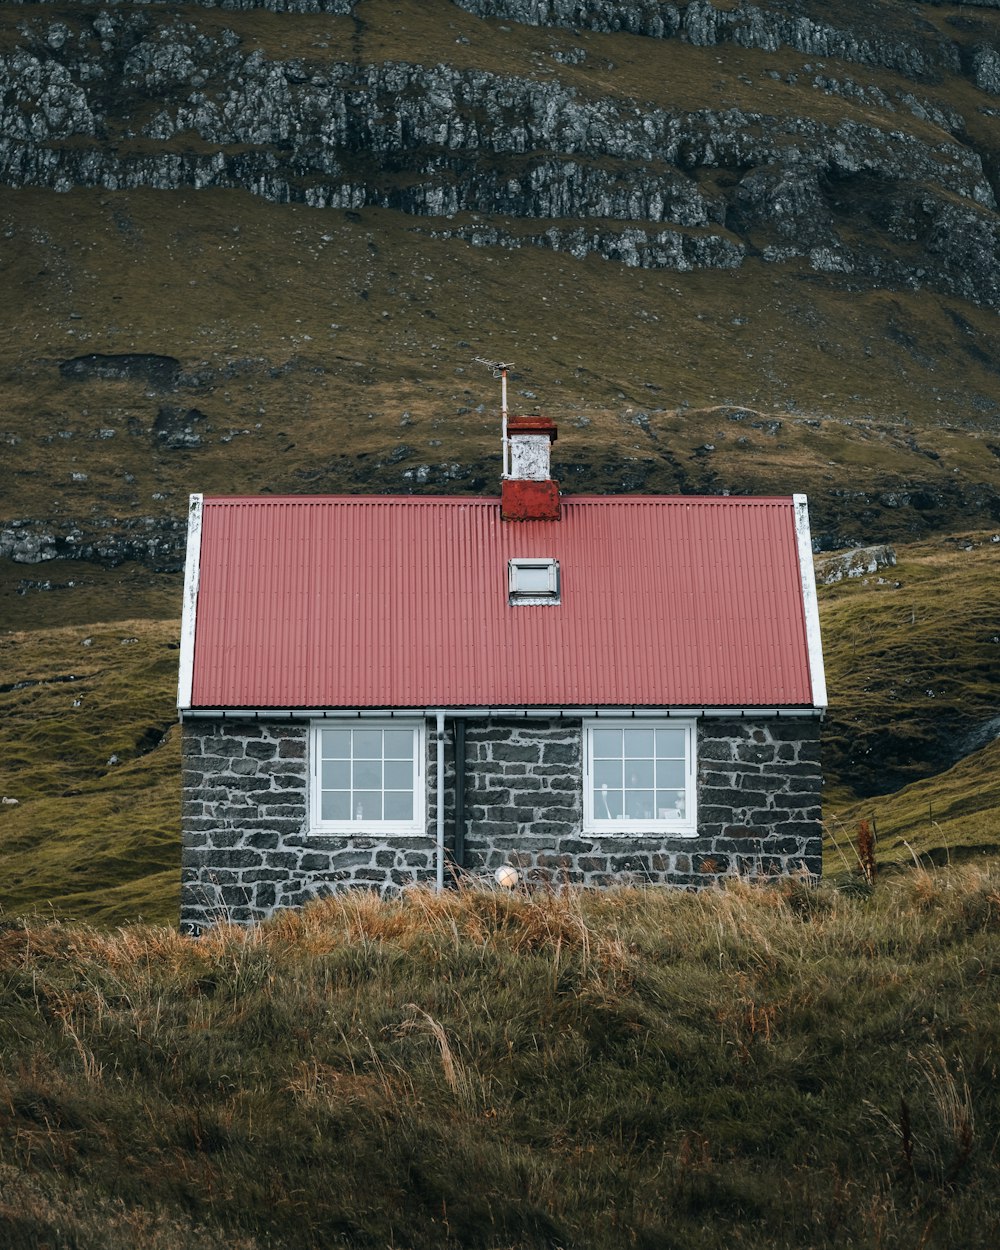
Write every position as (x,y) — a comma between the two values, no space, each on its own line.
(92,755)
(913,660)
(318,356)
(749,1067)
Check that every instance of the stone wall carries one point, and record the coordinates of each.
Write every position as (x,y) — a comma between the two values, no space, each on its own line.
(248,850)
(759,798)
(758,807)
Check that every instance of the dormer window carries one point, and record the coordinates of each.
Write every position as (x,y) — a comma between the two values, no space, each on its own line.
(533,580)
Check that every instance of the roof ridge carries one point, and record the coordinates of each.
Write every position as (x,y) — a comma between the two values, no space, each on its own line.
(494,500)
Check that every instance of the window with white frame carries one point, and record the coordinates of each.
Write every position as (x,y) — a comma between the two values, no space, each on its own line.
(368,776)
(533,580)
(639,776)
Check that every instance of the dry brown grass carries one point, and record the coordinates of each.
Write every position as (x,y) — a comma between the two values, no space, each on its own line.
(493,1069)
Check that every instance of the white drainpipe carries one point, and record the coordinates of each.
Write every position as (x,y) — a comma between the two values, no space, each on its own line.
(439,714)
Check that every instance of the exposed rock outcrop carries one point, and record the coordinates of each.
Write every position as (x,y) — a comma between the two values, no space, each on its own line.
(748,25)
(338,7)
(159,371)
(133,98)
(157,541)
(858,562)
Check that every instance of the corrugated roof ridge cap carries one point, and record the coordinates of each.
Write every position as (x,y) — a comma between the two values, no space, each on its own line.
(493,500)
(715,500)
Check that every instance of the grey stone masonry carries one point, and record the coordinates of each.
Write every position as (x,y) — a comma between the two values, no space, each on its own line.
(758,806)
(248,849)
(523,793)
(759,798)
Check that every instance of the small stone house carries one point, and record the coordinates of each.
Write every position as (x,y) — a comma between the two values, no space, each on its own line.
(378,690)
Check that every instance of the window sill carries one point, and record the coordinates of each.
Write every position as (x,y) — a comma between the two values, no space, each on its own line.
(640,829)
(358,830)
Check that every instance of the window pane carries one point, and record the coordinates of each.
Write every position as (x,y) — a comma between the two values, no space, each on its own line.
(639,774)
(398,805)
(639,743)
(670,804)
(670,744)
(336,805)
(367,774)
(670,773)
(531,581)
(368,744)
(336,744)
(398,744)
(367,804)
(607,804)
(398,775)
(607,744)
(336,775)
(639,804)
(608,773)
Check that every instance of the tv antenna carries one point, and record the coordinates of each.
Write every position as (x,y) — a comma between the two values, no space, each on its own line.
(499,368)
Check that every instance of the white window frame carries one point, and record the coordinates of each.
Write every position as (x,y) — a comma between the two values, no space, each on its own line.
(683,827)
(549,564)
(405,828)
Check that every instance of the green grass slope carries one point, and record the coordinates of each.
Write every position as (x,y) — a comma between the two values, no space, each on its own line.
(952,816)
(90,752)
(913,659)
(323,350)
(328,350)
(744,1068)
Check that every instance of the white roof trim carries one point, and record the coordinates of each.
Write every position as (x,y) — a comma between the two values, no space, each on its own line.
(810,603)
(192,577)
(576,713)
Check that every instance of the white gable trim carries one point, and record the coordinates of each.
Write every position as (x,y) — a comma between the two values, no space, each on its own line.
(810,603)
(192,577)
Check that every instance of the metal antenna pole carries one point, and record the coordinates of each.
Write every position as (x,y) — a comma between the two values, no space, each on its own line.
(505,441)
(500,368)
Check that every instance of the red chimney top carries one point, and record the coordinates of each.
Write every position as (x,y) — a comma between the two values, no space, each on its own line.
(529,493)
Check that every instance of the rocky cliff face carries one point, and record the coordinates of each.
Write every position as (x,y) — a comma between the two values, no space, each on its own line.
(873,176)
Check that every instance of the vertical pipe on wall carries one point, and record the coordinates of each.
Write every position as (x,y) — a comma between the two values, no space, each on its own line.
(459,727)
(439,728)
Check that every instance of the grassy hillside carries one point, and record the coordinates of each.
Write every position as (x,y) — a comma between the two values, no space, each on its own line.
(743,1068)
(327,349)
(326,352)
(322,350)
(91,754)
(913,656)
(947,818)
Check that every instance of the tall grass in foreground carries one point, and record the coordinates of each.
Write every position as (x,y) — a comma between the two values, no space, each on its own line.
(742,1068)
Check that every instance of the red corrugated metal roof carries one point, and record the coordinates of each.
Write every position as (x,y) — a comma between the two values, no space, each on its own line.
(352,601)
